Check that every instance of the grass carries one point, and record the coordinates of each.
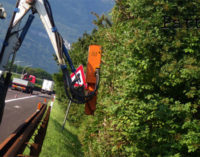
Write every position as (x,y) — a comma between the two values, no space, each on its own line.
(15,75)
(58,142)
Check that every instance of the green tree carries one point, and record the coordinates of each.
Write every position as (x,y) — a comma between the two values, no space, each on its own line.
(39,73)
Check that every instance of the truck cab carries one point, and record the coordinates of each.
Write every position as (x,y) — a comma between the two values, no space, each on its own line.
(30,78)
(26,84)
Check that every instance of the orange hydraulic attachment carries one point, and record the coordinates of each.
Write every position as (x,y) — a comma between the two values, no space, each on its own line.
(94,61)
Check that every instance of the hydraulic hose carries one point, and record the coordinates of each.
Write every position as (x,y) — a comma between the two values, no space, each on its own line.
(75,94)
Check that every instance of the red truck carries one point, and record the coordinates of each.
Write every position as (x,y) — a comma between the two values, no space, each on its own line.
(26,84)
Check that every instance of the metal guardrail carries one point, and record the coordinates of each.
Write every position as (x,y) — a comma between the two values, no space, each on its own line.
(39,138)
(16,143)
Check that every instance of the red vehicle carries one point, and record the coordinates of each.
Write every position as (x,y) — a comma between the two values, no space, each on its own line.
(30,78)
(26,84)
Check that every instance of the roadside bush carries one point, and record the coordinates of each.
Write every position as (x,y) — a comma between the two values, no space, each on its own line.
(149,95)
(148,101)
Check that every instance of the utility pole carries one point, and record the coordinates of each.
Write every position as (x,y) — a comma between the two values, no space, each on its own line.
(24,69)
(17,64)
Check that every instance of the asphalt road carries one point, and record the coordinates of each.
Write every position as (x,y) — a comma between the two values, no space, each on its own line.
(19,106)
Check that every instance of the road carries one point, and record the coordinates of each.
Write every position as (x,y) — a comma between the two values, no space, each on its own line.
(19,106)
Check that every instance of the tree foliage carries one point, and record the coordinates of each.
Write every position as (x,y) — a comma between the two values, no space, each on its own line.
(148,101)
(38,72)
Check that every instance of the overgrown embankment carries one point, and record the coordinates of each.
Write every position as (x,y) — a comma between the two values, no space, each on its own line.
(58,142)
(148,101)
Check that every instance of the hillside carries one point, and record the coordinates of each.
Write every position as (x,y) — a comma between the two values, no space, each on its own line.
(72,17)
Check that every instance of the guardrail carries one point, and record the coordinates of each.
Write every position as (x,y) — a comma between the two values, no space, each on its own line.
(16,143)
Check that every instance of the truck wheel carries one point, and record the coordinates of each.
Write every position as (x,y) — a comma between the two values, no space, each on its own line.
(12,88)
(27,90)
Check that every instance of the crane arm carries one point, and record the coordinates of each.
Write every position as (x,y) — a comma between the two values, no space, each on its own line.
(16,35)
(11,43)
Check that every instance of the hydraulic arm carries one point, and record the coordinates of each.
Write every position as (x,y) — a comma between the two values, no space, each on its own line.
(16,35)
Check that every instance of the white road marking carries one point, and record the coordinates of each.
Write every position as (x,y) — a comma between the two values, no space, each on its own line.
(17,106)
(28,97)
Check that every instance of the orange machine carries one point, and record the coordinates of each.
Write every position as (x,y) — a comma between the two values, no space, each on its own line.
(93,67)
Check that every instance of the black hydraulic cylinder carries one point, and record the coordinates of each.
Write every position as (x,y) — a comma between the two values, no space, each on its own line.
(4,84)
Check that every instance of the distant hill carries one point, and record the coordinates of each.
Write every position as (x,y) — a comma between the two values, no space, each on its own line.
(72,18)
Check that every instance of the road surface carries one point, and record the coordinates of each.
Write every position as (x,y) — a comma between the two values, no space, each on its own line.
(19,106)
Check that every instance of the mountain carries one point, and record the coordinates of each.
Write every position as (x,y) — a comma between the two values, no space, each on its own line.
(72,18)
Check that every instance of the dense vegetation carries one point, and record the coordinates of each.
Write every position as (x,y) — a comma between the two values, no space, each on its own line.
(148,101)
